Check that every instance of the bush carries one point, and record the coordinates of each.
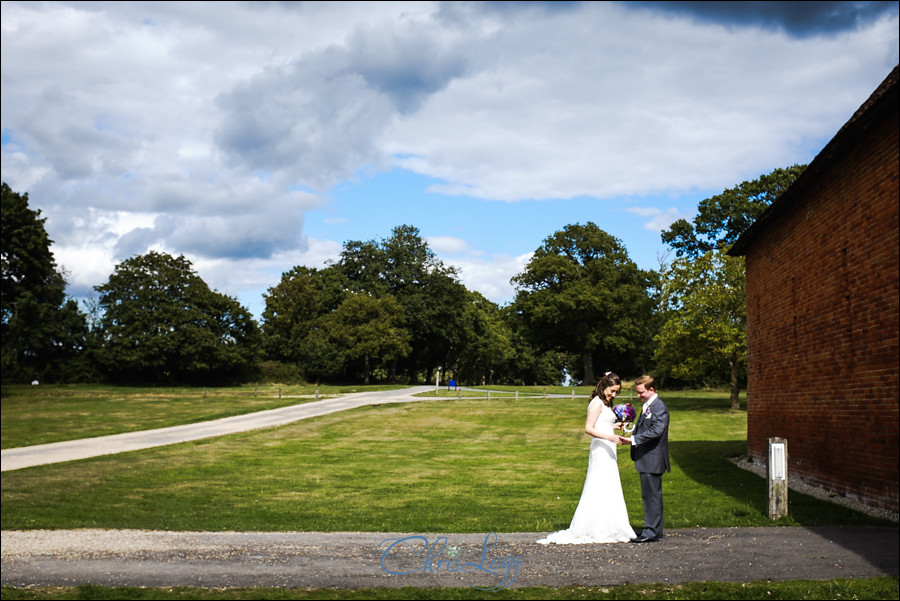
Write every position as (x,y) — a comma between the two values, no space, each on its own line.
(276,371)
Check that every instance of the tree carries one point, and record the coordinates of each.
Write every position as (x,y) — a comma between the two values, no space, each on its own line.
(529,363)
(369,330)
(721,219)
(364,264)
(292,306)
(486,350)
(704,333)
(581,294)
(293,321)
(43,332)
(161,323)
(310,318)
(432,299)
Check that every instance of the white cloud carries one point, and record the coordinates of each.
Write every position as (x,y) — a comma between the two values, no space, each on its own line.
(212,129)
(658,220)
(491,276)
(447,244)
(699,106)
(257,275)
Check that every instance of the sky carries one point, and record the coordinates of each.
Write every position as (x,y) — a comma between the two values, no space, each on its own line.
(253,137)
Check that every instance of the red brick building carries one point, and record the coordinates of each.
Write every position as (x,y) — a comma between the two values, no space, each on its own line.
(822,312)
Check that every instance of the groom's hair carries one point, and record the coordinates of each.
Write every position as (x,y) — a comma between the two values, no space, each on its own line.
(646,381)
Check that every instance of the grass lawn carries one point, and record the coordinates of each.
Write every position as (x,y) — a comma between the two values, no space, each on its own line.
(454,465)
(450,465)
(40,414)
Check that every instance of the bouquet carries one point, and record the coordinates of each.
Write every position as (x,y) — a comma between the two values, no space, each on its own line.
(625,414)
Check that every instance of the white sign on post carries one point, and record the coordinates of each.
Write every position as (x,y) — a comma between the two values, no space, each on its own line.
(777,460)
(776,479)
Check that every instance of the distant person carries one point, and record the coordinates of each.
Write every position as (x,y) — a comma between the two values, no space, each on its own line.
(601,515)
(650,452)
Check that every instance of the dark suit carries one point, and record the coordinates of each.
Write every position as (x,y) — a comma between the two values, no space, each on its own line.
(650,453)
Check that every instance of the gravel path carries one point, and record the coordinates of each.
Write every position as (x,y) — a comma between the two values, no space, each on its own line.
(360,559)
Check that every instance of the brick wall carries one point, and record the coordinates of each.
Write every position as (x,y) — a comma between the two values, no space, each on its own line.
(822,324)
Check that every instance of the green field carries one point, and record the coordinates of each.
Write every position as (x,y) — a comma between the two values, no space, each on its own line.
(41,414)
(467,464)
(450,465)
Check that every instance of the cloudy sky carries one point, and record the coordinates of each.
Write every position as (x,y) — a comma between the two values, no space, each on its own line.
(252,137)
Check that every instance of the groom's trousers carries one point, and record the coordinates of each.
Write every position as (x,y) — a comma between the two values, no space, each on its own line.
(651,495)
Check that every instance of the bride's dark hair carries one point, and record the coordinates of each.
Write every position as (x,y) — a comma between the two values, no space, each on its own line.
(608,379)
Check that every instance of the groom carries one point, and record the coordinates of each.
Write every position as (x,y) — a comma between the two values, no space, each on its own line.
(650,452)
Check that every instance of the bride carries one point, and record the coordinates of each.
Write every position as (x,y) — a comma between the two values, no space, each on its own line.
(601,516)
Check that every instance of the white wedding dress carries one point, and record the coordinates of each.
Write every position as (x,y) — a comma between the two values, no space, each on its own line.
(601,515)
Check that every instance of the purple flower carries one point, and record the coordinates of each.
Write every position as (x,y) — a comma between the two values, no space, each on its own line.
(624,413)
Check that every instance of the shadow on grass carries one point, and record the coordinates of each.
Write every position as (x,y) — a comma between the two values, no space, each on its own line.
(701,403)
(706,462)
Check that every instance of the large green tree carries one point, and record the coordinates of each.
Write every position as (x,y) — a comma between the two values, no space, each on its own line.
(43,332)
(429,293)
(702,278)
(293,307)
(369,330)
(161,323)
(721,219)
(704,335)
(581,293)
(533,364)
(486,349)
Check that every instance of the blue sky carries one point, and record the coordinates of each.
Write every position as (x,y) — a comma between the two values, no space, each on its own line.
(254,137)
(488,238)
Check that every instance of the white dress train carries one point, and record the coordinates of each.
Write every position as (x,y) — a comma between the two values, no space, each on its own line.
(601,515)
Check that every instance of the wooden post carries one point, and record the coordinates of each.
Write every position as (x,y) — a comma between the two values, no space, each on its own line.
(777,478)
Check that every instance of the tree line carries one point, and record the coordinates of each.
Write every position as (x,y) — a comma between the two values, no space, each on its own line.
(390,310)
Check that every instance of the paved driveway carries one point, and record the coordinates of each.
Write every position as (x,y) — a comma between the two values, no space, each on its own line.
(71,450)
(373,559)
